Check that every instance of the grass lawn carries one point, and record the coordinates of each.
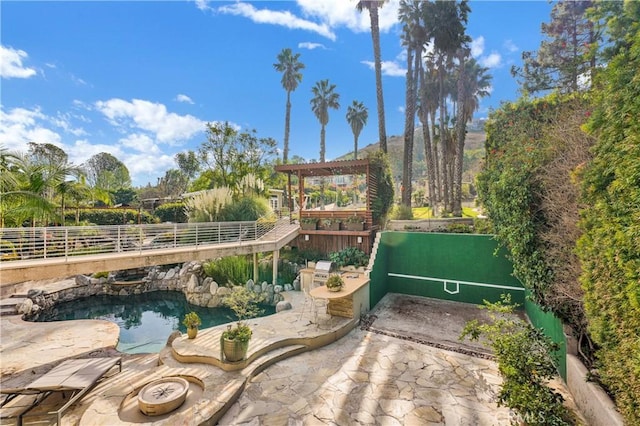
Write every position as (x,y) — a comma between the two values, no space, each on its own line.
(425,212)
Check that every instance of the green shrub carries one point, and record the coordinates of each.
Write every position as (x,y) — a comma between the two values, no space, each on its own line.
(108,216)
(482,226)
(228,271)
(172,212)
(247,208)
(349,256)
(523,354)
(401,212)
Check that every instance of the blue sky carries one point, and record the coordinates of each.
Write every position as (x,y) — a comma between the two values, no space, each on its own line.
(140,79)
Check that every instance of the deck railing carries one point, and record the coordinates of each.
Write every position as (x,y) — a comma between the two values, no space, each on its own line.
(66,241)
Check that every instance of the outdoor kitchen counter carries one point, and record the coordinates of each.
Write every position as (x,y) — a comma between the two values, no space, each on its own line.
(349,302)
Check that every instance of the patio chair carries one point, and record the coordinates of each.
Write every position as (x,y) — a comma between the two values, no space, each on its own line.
(70,380)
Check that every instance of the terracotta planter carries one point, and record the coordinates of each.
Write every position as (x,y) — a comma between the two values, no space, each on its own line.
(192,332)
(334,289)
(233,350)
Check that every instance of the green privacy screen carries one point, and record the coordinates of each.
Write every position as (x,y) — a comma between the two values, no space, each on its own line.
(458,267)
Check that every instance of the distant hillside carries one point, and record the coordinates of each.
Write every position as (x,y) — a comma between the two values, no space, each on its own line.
(473,149)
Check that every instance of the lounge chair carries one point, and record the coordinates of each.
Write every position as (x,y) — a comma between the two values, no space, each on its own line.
(74,377)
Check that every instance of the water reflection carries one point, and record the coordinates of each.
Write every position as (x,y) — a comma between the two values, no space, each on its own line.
(145,320)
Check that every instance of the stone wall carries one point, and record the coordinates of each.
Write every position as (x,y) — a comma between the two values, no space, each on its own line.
(188,278)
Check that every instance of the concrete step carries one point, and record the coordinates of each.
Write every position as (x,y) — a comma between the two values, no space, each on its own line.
(9,306)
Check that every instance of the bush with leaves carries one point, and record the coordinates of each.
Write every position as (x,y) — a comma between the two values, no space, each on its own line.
(523,354)
(172,212)
(228,271)
(383,201)
(349,256)
(610,246)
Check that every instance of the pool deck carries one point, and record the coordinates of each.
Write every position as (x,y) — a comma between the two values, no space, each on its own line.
(297,372)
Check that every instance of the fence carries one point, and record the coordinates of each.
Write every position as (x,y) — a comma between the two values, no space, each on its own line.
(66,241)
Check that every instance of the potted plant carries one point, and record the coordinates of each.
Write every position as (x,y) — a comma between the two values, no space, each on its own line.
(334,283)
(309,223)
(235,340)
(331,224)
(192,322)
(355,223)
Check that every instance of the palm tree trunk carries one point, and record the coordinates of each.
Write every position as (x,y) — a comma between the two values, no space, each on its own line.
(322,182)
(287,120)
(428,149)
(436,164)
(375,37)
(460,136)
(408,133)
(355,147)
(443,134)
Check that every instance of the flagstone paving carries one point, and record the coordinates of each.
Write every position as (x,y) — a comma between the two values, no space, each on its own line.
(369,376)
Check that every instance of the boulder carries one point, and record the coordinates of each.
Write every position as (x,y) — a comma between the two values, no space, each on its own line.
(283,306)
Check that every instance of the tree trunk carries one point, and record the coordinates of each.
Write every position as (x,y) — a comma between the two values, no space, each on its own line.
(375,37)
(355,147)
(407,161)
(437,197)
(322,181)
(287,121)
(460,136)
(444,179)
(428,149)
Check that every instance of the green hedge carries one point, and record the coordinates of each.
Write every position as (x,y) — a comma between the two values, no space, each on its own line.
(109,216)
(171,212)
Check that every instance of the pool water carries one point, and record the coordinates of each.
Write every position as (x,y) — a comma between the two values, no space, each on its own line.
(145,320)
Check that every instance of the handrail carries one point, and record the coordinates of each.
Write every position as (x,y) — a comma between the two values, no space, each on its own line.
(66,241)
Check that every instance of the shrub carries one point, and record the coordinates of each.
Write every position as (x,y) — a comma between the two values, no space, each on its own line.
(523,354)
(227,271)
(349,256)
(245,209)
(172,212)
(402,212)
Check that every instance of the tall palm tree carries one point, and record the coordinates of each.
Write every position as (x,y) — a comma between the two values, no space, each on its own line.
(446,21)
(414,38)
(290,67)
(473,84)
(372,6)
(323,99)
(357,115)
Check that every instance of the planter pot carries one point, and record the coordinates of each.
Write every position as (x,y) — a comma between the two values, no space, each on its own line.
(192,332)
(355,226)
(309,226)
(332,227)
(162,396)
(334,289)
(234,350)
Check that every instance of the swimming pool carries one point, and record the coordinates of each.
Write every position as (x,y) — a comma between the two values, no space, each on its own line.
(145,320)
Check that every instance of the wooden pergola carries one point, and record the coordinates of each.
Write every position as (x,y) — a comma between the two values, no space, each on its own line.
(324,238)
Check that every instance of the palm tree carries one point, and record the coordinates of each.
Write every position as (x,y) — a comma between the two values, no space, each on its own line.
(357,115)
(426,111)
(414,38)
(290,67)
(446,21)
(473,83)
(324,98)
(372,6)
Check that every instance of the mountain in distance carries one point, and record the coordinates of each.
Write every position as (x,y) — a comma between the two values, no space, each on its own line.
(473,155)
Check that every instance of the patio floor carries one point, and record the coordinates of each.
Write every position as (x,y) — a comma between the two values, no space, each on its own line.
(337,374)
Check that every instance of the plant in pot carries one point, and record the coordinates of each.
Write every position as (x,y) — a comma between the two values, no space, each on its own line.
(355,223)
(331,224)
(235,340)
(334,282)
(192,322)
(309,223)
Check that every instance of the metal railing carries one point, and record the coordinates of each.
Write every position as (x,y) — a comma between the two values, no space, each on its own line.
(67,241)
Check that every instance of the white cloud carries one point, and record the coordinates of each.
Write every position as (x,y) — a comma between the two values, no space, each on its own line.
(202,4)
(336,13)
(21,126)
(477,46)
(11,63)
(277,17)
(311,46)
(153,117)
(390,68)
(510,46)
(493,60)
(140,143)
(184,98)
